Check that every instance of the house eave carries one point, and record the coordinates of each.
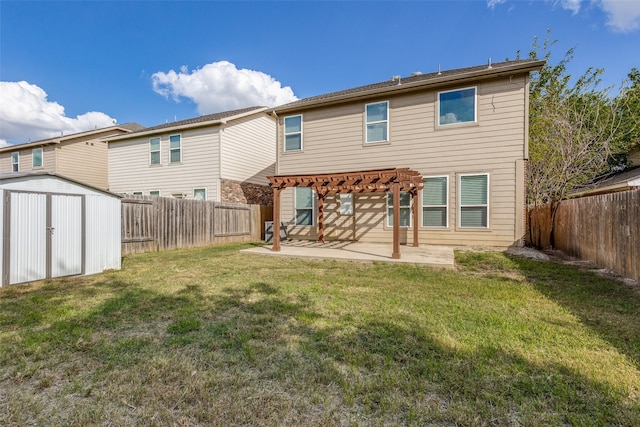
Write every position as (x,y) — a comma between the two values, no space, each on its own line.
(170,129)
(448,80)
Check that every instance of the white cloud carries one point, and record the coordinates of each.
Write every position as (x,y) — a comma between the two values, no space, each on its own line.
(26,114)
(572,5)
(622,16)
(220,86)
(491,4)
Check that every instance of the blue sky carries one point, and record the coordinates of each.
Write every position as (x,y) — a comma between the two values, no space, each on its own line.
(72,66)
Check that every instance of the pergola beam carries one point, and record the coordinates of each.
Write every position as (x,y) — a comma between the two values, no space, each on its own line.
(370,181)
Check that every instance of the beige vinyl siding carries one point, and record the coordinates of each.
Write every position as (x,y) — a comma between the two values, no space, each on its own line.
(129,168)
(85,161)
(248,149)
(333,141)
(26,161)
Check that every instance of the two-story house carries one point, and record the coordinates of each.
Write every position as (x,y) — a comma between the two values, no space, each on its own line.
(454,142)
(80,156)
(224,157)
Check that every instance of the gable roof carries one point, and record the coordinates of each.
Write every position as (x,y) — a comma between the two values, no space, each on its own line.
(621,181)
(211,119)
(129,127)
(416,81)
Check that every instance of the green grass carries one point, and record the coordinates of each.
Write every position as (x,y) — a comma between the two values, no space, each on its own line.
(214,337)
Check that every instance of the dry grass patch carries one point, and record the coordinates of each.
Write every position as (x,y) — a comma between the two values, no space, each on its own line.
(214,337)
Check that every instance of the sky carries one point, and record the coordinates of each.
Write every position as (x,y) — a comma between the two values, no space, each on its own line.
(72,66)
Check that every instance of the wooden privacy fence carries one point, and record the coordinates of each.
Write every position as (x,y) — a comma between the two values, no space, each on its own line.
(161,223)
(602,229)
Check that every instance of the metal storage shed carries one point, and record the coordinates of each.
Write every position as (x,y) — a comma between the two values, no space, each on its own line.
(54,226)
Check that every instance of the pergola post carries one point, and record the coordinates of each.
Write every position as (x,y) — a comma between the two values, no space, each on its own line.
(276,219)
(320,217)
(396,221)
(414,200)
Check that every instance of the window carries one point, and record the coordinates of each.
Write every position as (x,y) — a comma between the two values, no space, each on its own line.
(304,206)
(346,204)
(36,159)
(474,205)
(377,122)
(200,194)
(154,193)
(175,149)
(457,106)
(154,151)
(15,162)
(434,201)
(405,209)
(293,133)
(137,193)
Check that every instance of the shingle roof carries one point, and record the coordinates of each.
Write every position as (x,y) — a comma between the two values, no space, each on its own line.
(131,126)
(419,80)
(201,119)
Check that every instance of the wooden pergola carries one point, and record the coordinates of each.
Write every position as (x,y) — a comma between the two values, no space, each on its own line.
(370,181)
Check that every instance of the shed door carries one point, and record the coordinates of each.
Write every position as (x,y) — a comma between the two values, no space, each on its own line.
(27,237)
(45,236)
(66,235)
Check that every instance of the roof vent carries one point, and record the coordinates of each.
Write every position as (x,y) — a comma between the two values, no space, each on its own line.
(439,72)
(394,78)
(489,67)
(416,73)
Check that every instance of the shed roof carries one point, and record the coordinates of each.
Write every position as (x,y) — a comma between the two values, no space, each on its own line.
(13,176)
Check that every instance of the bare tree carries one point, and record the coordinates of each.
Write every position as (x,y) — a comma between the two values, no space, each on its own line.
(574,129)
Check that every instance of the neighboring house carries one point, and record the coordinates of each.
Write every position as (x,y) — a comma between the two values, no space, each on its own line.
(621,181)
(81,156)
(224,157)
(464,131)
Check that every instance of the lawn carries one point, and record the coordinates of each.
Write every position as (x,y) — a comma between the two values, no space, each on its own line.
(214,337)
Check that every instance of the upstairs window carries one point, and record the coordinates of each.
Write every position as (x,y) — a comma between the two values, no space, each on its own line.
(175,149)
(36,157)
(474,201)
(293,133)
(377,122)
(434,201)
(457,106)
(405,209)
(154,193)
(15,162)
(154,151)
(304,206)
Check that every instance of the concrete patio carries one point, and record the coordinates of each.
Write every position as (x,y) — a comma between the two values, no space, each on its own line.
(429,255)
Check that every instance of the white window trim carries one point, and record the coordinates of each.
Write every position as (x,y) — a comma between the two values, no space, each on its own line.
(158,191)
(33,157)
(136,193)
(160,150)
(366,134)
(15,161)
(446,205)
(387,207)
(313,210)
(284,132)
(170,149)
(475,107)
(206,192)
(460,201)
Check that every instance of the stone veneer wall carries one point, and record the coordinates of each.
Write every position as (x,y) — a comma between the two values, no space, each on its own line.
(244,192)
